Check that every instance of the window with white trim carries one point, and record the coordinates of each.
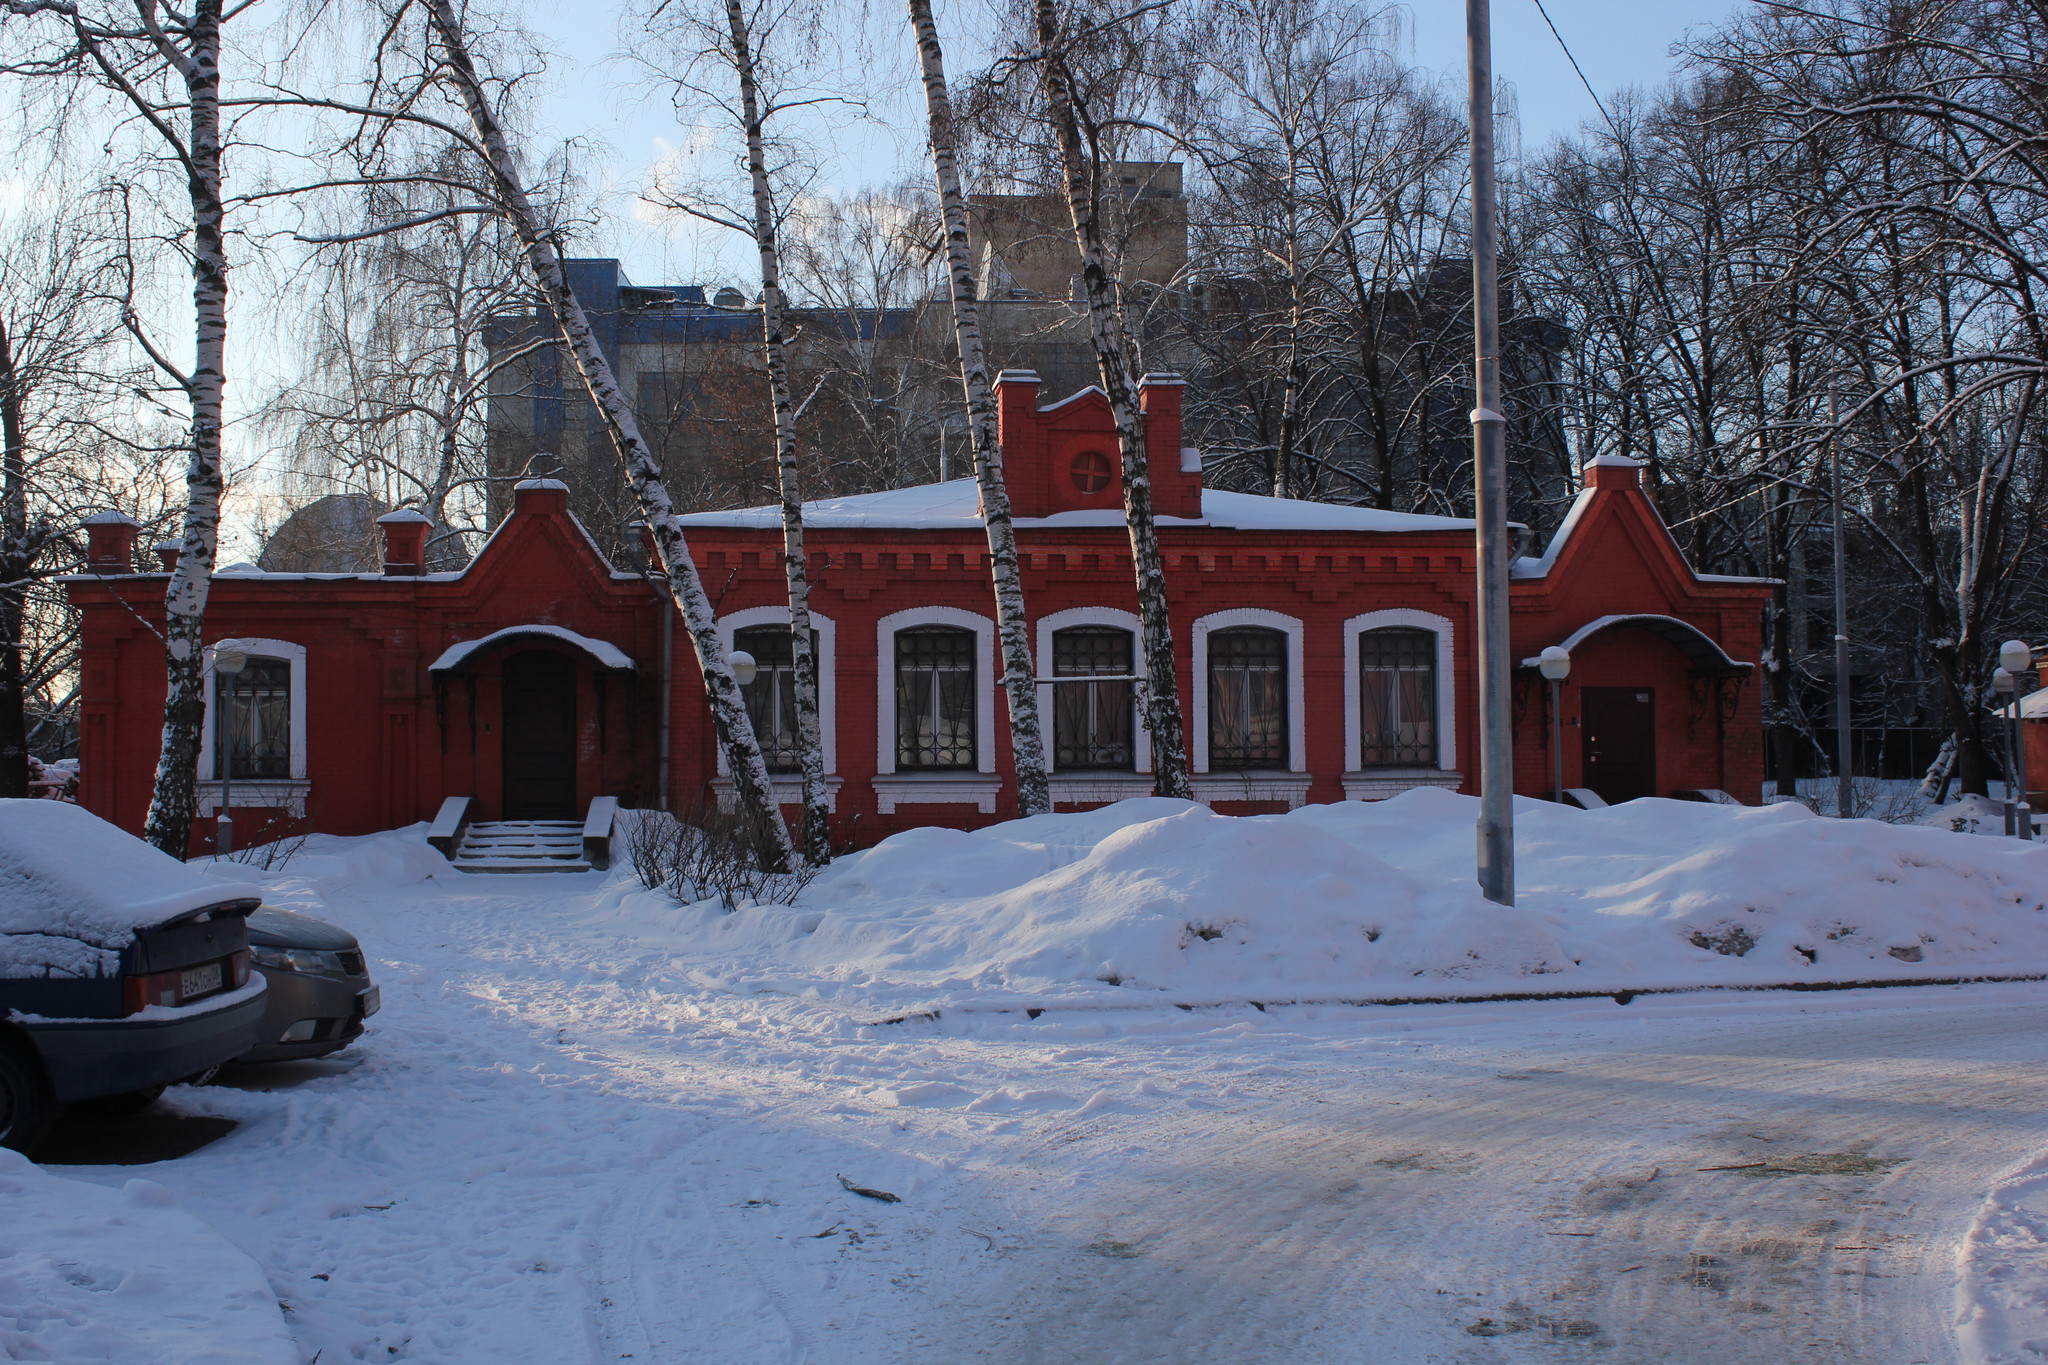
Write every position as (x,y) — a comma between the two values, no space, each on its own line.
(1248,698)
(1397,697)
(1093,717)
(935,701)
(257,720)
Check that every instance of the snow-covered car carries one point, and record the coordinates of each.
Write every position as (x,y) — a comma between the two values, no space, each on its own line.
(320,988)
(121,968)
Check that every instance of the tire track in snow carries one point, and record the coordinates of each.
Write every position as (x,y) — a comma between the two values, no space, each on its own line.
(1500,1204)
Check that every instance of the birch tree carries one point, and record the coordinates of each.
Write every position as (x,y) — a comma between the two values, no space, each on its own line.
(164,67)
(738,43)
(1027,748)
(507,196)
(1078,137)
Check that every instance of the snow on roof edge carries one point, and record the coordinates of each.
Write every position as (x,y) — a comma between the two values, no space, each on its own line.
(607,654)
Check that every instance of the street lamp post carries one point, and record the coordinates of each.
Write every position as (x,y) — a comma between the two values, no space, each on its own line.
(1556,665)
(2016,657)
(227,666)
(1496,832)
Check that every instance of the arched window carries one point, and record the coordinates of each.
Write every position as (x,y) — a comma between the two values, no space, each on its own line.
(1247,698)
(1397,698)
(255,722)
(771,696)
(935,698)
(1092,720)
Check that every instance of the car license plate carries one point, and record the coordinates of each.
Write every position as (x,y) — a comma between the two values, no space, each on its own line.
(199,981)
(370,1001)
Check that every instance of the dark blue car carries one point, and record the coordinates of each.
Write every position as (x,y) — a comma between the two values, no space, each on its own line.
(121,969)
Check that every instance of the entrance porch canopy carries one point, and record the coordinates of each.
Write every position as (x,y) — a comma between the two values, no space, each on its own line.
(1706,655)
(602,652)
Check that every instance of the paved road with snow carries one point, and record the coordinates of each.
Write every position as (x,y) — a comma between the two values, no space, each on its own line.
(558,1146)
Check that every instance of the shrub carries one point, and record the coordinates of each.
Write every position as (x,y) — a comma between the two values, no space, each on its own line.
(705,854)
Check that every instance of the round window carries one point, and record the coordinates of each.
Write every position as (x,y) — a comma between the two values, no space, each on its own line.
(1090,471)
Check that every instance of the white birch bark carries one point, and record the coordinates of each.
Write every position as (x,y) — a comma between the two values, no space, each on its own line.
(748,771)
(1081,174)
(172,803)
(1027,744)
(817,840)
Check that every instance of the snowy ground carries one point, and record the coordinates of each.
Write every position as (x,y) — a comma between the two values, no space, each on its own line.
(559,1144)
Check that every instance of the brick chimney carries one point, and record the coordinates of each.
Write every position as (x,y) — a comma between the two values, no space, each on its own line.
(1176,480)
(540,495)
(110,542)
(167,552)
(1613,471)
(405,542)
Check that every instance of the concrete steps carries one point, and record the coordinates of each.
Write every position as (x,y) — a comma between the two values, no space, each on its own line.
(522,846)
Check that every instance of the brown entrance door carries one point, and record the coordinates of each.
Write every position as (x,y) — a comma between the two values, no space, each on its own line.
(539,718)
(1620,725)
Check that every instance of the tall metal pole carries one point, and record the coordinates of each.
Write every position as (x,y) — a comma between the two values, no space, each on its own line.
(1557,741)
(1843,784)
(1490,477)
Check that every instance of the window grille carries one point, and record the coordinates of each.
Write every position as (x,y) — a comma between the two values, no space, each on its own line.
(1092,720)
(255,713)
(1248,698)
(771,696)
(935,698)
(1397,698)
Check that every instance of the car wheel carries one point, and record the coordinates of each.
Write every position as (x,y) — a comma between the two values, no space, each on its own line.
(118,1106)
(26,1108)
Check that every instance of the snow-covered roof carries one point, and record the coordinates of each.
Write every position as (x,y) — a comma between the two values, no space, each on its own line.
(606,654)
(541,485)
(2033,706)
(66,873)
(956,505)
(405,516)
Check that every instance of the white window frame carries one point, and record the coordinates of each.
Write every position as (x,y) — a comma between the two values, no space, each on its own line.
(1291,627)
(886,631)
(1410,618)
(1053,622)
(828,675)
(294,656)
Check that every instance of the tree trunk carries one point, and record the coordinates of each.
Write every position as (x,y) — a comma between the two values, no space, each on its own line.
(729,718)
(173,804)
(17,562)
(1082,175)
(1027,743)
(788,477)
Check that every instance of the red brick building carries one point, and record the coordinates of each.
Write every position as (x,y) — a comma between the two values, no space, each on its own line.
(1325,654)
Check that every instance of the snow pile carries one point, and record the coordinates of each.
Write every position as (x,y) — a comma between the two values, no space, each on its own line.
(125,1277)
(2002,1290)
(327,867)
(74,889)
(1377,900)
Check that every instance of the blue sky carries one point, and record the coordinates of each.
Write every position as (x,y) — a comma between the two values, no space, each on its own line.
(598,98)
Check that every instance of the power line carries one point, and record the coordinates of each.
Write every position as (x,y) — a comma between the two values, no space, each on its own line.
(1576,68)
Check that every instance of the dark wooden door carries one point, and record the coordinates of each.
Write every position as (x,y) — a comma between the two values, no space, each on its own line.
(1620,725)
(539,720)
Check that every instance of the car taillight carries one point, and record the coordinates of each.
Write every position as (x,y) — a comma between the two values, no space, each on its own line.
(158,988)
(169,988)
